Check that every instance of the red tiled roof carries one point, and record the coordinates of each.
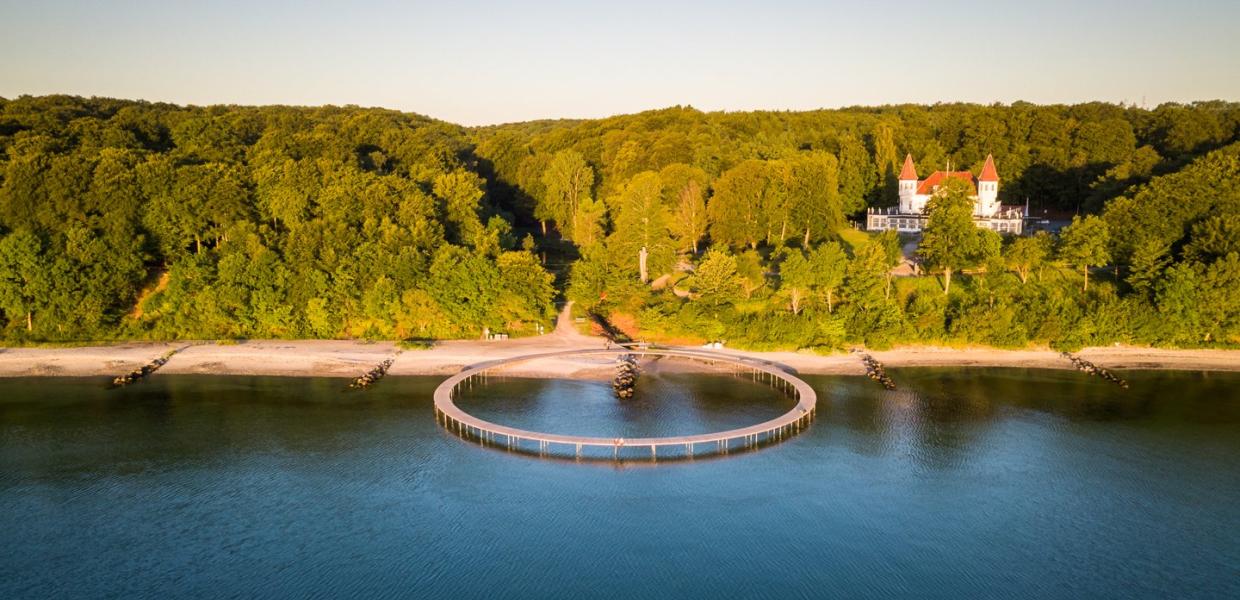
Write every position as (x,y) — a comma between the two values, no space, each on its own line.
(989,172)
(908,172)
(929,184)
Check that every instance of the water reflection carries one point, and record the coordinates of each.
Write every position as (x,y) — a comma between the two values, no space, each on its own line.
(938,417)
(189,420)
(665,404)
(962,483)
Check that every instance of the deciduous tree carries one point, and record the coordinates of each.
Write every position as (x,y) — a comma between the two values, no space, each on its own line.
(569,183)
(685,192)
(641,224)
(24,283)
(1084,244)
(1026,254)
(716,280)
(951,241)
(735,210)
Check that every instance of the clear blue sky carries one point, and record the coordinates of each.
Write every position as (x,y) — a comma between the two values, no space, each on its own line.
(488,62)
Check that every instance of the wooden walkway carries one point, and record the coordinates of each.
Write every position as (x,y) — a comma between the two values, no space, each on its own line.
(458,421)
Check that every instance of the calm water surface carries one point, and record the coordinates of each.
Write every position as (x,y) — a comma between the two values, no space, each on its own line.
(964,483)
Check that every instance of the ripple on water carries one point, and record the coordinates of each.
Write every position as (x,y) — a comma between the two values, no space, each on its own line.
(963,483)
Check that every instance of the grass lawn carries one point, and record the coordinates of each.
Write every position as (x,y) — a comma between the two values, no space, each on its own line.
(854,239)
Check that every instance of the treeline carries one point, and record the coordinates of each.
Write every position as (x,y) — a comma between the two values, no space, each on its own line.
(1160,266)
(1056,157)
(129,219)
(769,195)
(134,220)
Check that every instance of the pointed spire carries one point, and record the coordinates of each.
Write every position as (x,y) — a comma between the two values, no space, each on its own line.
(989,172)
(909,172)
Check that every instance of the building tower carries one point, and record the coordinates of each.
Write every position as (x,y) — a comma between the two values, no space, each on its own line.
(988,189)
(908,185)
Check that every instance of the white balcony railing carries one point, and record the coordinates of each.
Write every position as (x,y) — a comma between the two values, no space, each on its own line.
(1004,213)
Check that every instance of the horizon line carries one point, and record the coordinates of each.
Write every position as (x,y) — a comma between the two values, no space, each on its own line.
(1125,104)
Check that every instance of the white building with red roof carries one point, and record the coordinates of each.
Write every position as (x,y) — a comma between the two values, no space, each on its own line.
(910,214)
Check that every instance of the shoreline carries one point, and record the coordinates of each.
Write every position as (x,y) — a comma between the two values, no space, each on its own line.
(342,358)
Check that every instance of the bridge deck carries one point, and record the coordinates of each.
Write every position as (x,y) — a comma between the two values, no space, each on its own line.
(462,422)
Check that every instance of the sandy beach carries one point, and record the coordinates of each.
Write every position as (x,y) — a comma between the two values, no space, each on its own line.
(329,358)
(346,358)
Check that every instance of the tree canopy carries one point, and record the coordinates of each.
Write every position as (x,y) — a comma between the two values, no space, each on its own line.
(128,219)
(123,219)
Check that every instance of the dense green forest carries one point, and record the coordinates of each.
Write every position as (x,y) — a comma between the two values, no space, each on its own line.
(125,219)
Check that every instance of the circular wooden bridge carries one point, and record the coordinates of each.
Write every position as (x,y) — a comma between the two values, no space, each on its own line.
(462,423)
